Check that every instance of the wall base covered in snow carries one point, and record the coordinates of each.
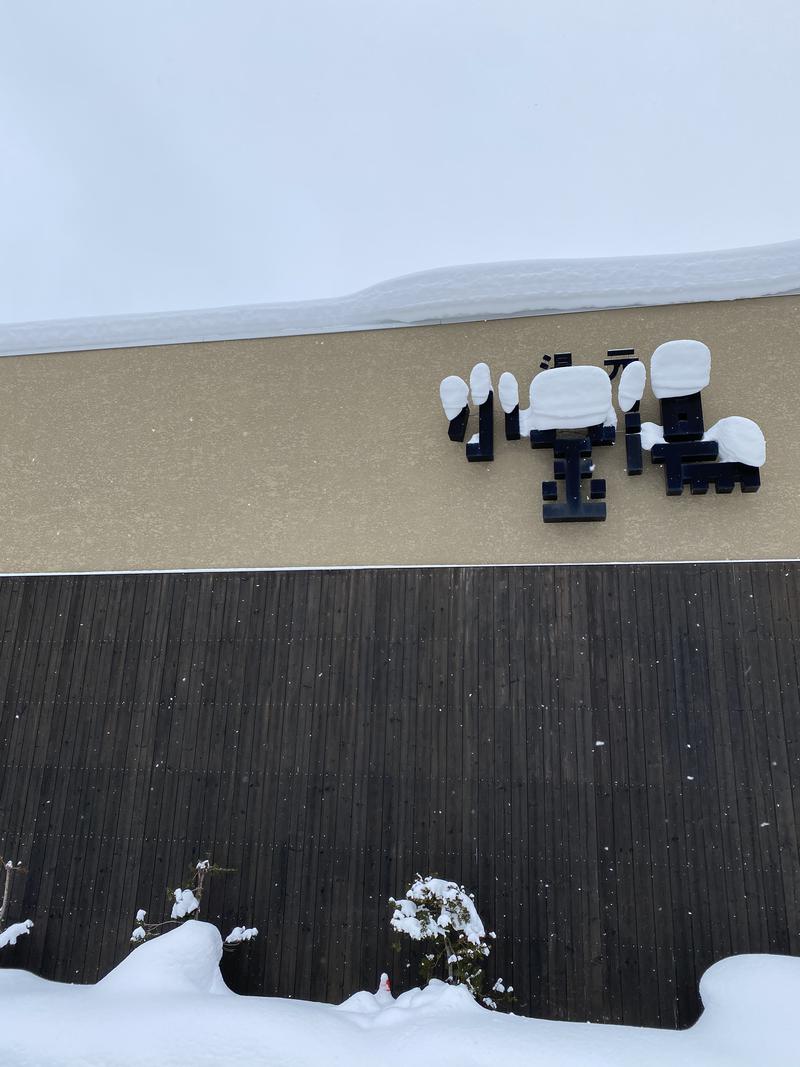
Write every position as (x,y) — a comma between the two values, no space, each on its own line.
(166,1006)
(604,755)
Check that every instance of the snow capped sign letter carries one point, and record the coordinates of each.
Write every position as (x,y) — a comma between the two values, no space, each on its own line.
(571,412)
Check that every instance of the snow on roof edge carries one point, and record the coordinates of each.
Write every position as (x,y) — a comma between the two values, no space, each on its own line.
(446,294)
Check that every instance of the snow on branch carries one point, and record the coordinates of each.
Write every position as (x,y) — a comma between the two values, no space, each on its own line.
(436,908)
(241,933)
(186,905)
(443,915)
(9,935)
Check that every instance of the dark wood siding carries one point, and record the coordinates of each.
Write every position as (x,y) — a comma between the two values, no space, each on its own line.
(608,756)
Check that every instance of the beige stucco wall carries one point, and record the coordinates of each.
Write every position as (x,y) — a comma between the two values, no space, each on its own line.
(332,450)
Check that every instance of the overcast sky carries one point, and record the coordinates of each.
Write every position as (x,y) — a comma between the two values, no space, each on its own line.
(161,155)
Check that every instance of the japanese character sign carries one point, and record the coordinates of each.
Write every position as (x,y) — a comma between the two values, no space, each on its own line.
(571,412)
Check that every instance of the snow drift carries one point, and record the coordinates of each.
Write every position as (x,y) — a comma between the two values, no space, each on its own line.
(166,1005)
(184,960)
(447,294)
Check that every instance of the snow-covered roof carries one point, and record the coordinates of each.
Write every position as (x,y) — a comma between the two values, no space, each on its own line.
(448,294)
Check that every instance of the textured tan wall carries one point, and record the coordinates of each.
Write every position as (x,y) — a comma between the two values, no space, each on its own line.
(332,450)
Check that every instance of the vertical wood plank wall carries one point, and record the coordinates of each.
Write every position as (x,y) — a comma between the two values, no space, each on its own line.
(608,756)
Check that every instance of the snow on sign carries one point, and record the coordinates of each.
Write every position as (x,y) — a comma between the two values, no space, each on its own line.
(571,412)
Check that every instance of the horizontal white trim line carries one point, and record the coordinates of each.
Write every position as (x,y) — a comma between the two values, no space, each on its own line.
(448,294)
(383,567)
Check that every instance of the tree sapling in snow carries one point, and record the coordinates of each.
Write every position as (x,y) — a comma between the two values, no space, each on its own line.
(442,916)
(186,905)
(9,934)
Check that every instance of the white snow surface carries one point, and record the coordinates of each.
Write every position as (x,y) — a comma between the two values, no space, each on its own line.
(165,1005)
(631,384)
(480,383)
(567,398)
(740,441)
(652,434)
(453,897)
(185,903)
(447,294)
(679,368)
(241,933)
(508,390)
(454,394)
(11,933)
(184,960)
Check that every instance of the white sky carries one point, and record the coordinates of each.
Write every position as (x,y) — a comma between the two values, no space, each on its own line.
(159,154)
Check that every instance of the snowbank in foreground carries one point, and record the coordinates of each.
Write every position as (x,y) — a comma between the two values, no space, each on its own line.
(166,1005)
(448,294)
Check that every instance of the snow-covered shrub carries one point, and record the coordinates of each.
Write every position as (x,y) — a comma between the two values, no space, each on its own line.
(9,934)
(186,905)
(441,915)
